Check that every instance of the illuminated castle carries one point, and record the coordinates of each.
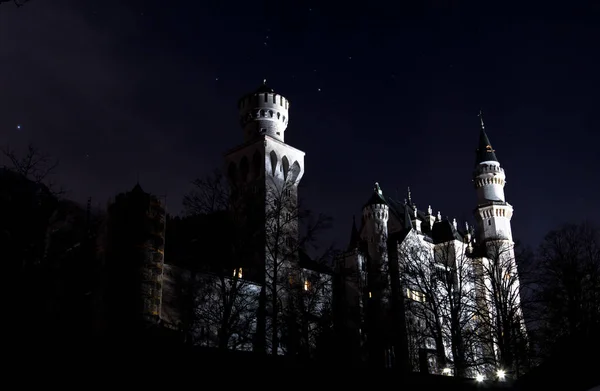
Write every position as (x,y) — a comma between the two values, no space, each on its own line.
(420,291)
(266,278)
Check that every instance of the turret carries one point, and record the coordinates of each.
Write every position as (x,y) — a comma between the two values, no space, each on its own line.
(375,232)
(415,219)
(493,212)
(375,215)
(264,112)
(488,176)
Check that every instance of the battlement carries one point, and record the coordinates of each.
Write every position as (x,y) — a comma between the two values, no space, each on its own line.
(264,112)
(489,167)
(376,211)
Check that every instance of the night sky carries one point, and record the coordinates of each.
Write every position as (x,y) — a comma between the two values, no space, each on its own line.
(379,92)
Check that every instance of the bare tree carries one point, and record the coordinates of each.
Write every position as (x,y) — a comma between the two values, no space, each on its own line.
(289,229)
(226,309)
(224,312)
(35,166)
(569,284)
(240,300)
(208,195)
(499,306)
(439,281)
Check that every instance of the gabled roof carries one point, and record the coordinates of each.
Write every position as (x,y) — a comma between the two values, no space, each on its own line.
(306,262)
(444,231)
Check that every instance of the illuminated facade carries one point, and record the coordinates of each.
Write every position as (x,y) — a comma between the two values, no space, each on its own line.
(266,276)
(419,290)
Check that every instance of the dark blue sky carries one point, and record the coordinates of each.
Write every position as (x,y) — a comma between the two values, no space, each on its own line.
(379,92)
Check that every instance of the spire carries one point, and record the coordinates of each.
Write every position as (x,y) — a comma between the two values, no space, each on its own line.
(485,152)
(407,218)
(354,235)
(408,196)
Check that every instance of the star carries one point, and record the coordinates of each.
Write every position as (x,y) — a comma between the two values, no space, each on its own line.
(318,89)
(19,127)
(216,79)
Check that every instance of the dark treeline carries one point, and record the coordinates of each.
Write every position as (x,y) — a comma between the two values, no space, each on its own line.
(53,287)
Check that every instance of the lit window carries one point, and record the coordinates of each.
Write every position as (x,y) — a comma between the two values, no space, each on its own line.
(306,285)
(370,295)
(237,272)
(415,295)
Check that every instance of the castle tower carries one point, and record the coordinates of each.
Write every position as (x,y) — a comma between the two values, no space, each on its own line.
(264,112)
(493,213)
(375,216)
(375,233)
(497,266)
(264,171)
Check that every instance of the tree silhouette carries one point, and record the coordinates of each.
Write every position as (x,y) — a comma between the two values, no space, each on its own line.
(289,230)
(500,307)
(440,286)
(34,165)
(569,285)
(257,286)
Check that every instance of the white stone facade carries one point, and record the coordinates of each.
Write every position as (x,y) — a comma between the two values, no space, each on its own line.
(397,236)
(263,172)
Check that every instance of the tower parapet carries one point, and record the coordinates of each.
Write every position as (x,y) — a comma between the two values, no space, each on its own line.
(264,112)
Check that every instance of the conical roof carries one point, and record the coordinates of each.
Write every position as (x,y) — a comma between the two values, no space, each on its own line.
(484,152)
(376,197)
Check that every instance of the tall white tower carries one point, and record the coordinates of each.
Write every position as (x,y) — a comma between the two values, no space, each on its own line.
(498,267)
(263,167)
(493,213)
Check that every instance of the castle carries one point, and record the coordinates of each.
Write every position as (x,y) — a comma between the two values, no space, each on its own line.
(413,290)
(422,292)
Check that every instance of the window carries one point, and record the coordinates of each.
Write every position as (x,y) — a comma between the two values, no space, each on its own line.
(306,285)
(415,295)
(440,273)
(370,295)
(237,272)
(289,241)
